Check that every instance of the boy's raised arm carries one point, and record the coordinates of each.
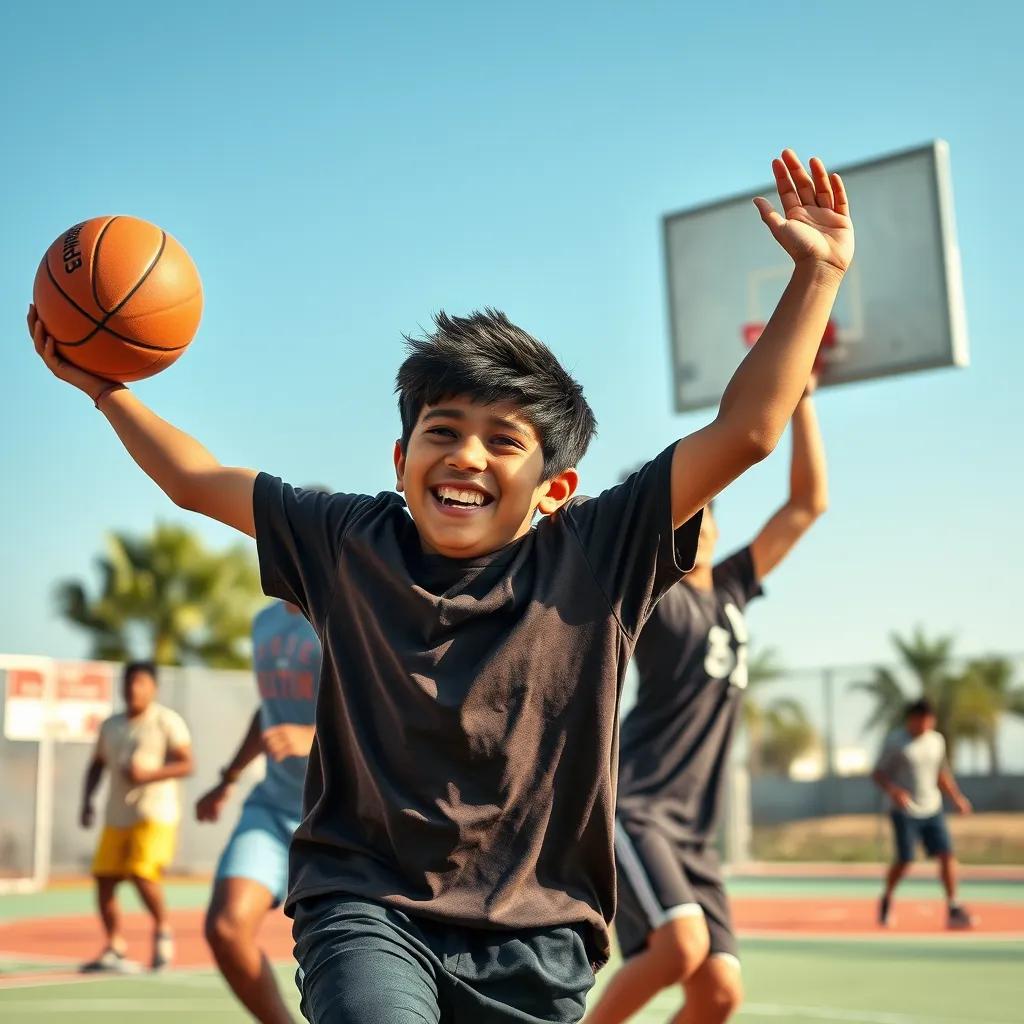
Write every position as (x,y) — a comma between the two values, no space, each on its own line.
(177,463)
(816,230)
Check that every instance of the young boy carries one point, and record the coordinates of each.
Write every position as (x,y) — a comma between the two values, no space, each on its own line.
(252,876)
(914,773)
(673,922)
(147,748)
(455,860)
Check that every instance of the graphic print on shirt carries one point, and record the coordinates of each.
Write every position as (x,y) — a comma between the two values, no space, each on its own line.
(285,668)
(726,656)
(691,661)
(286,660)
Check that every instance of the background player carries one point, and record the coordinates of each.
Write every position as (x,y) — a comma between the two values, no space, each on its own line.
(252,875)
(673,921)
(147,748)
(914,773)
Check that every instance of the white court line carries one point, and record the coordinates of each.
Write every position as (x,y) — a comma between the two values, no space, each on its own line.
(9,956)
(136,1006)
(146,1006)
(965,937)
(853,1016)
(189,976)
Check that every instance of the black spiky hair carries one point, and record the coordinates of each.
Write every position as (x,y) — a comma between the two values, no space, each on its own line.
(486,358)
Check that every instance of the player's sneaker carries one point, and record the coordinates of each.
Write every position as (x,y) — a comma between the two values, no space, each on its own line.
(163,950)
(958,918)
(111,960)
(884,912)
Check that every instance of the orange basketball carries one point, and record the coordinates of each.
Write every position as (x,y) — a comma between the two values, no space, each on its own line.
(120,297)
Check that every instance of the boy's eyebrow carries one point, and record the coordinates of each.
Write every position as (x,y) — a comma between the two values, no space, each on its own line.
(436,414)
(459,414)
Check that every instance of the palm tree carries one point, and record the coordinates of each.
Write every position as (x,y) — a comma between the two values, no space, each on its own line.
(928,663)
(889,697)
(968,703)
(187,604)
(984,693)
(779,731)
(788,735)
(762,667)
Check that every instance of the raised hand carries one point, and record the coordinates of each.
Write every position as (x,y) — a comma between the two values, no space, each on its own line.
(815,220)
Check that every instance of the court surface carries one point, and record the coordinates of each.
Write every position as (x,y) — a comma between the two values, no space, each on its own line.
(811,953)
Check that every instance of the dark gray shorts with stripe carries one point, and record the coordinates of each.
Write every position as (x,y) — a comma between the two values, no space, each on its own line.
(661,879)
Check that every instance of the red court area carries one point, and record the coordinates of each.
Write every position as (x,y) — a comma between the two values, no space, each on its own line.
(857,917)
(66,941)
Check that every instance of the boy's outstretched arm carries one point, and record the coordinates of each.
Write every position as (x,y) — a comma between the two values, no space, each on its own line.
(808,491)
(177,463)
(815,229)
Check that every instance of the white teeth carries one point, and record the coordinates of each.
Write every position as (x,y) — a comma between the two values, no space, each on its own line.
(463,497)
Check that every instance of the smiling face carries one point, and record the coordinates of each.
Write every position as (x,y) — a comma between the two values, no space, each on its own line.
(472,474)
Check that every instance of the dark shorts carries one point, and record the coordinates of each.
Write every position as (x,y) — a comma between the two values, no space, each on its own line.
(931,833)
(364,963)
(661,879)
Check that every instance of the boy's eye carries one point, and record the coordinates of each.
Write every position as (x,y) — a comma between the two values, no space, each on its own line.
(441,431)
(507,442)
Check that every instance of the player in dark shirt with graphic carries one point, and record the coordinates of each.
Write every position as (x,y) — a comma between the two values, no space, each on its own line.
(673,921)
(455,860)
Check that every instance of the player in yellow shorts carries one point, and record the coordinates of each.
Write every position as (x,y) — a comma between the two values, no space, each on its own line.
(147,747)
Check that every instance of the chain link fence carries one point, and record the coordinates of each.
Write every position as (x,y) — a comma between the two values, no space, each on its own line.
(801,787)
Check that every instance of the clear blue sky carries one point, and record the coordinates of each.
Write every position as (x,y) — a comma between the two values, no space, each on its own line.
(339,172)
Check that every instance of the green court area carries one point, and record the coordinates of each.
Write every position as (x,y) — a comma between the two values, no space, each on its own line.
(940,979)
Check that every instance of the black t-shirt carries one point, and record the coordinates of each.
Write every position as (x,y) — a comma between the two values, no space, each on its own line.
(692,662)
(466,743)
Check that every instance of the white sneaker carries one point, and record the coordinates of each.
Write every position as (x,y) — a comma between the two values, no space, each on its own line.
(110,961)
(163,950)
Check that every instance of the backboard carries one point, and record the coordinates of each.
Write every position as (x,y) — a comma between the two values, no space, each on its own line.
(900,307)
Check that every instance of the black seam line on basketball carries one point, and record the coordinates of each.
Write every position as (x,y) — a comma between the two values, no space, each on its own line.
(121,337)
(95,261)
(142,280)
(102,324)
(149,348)
(71,302)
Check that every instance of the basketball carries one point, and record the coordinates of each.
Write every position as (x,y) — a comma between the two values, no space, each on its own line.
(120,297)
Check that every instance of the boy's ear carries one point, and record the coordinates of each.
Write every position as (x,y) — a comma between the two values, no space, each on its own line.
(557,491)
(399,456)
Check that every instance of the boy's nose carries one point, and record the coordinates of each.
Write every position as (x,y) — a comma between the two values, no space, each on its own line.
(469,453)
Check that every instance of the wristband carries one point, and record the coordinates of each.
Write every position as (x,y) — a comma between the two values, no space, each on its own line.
(115,386)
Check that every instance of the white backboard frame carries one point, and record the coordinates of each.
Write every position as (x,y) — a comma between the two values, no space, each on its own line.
(710,299)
